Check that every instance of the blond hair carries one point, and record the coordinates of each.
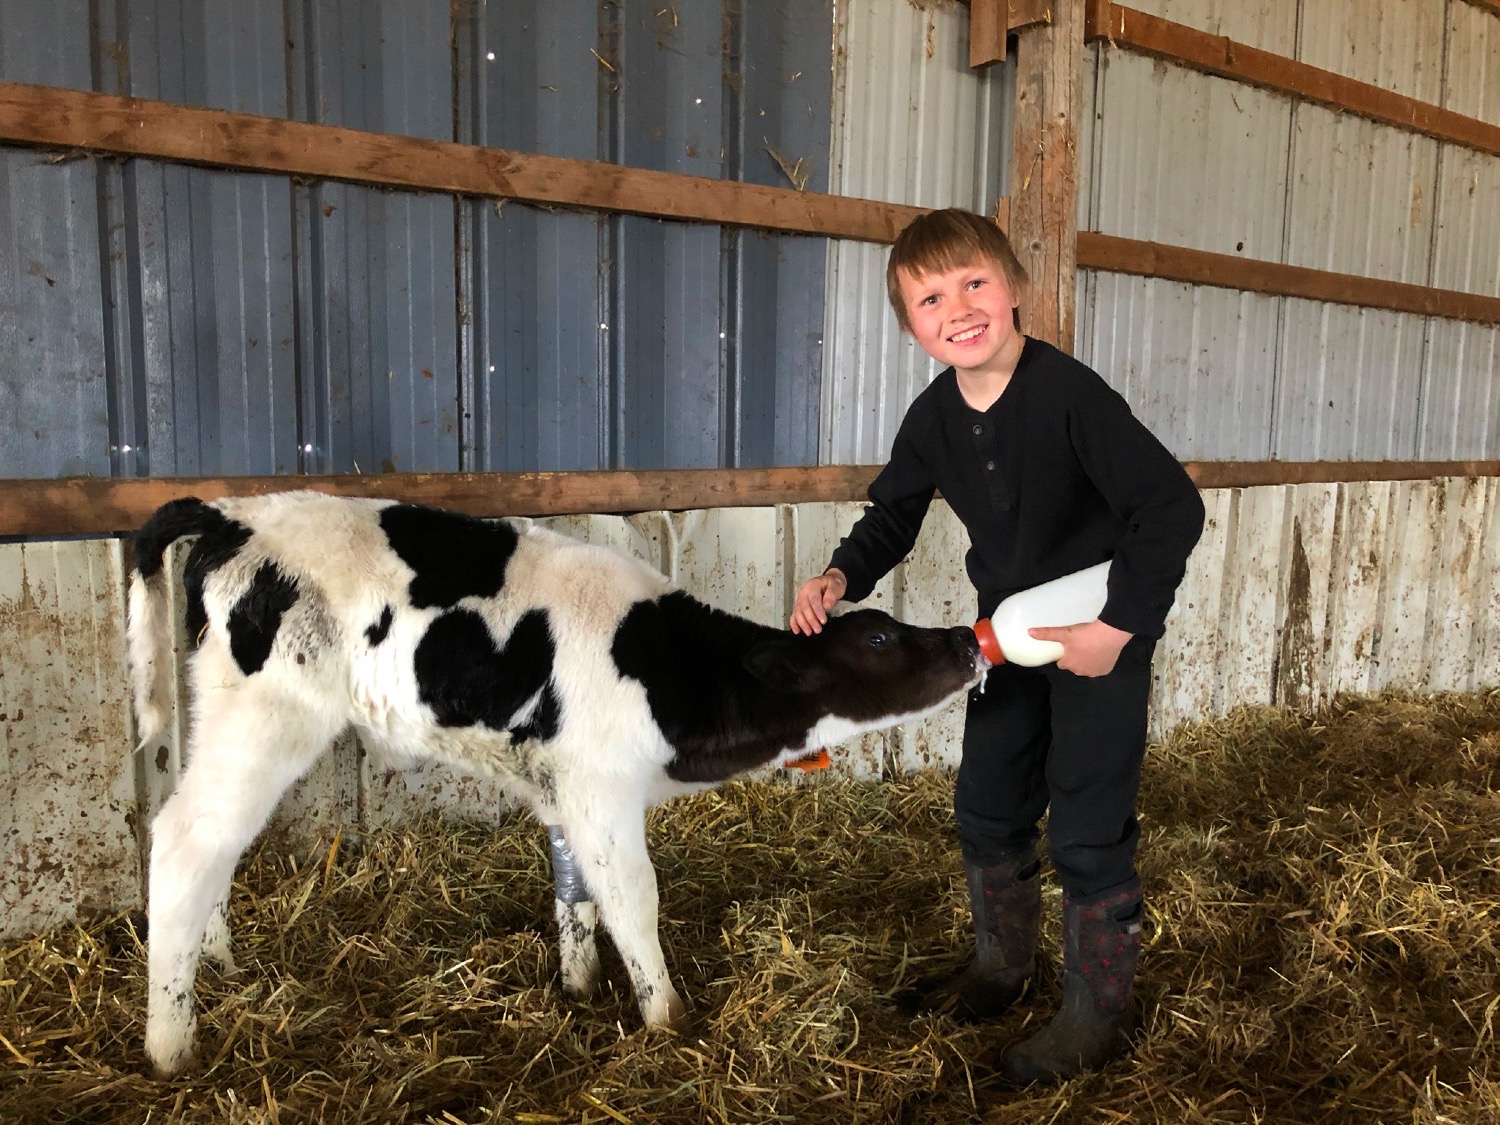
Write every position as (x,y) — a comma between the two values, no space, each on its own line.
(947,239)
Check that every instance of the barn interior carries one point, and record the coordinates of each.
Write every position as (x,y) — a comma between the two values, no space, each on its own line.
(619,269)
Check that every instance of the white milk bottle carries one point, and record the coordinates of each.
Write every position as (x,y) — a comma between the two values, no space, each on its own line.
(1069,600)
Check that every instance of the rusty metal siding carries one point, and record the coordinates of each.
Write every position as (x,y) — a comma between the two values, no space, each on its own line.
(67,790)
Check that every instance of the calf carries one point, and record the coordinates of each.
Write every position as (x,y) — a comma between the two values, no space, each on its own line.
(578,676)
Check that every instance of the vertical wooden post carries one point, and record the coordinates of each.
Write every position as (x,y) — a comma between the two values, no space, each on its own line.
(1044,172)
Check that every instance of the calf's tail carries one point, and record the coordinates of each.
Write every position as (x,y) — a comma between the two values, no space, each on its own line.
(149,629)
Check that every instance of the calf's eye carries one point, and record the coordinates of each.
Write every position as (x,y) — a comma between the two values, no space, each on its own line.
(878,639)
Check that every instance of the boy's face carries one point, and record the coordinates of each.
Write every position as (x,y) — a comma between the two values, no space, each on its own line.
(963,317)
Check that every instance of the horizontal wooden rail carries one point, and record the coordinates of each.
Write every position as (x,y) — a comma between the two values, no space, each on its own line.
(94,506)
(78,119)
(1203,267)
(1217,54)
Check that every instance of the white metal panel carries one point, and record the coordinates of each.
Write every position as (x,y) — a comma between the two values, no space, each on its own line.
(1301,675)
(1270,25)
(1185,670)
(1487,655)
(1460,400)
(1361,196)
(1252,609)
(1407,560)
(912,123)
(1394,46)
(67,794)
(1460,393)
(1194,362)
(1349,384)
(1187,159)
(1355,585)
(1454,619)
(727,558)
(1472,79)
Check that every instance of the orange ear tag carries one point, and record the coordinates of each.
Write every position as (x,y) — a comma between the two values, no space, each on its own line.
(817,760)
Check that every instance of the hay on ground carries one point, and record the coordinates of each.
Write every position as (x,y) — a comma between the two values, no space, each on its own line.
(1324,899)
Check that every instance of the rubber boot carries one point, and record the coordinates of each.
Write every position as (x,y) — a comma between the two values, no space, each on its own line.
(1101,946)
(1006,903)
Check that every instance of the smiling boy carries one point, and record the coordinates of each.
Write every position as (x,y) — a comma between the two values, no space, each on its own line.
(1049,472)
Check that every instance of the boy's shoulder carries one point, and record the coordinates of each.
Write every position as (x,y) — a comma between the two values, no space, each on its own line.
(1060,374)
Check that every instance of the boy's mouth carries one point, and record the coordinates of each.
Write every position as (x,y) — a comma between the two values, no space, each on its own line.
(968,334)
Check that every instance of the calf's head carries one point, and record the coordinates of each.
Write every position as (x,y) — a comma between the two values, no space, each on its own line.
(869,668)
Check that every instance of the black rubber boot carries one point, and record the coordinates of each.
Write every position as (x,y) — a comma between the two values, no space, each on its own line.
(1006,902)
(1101,946)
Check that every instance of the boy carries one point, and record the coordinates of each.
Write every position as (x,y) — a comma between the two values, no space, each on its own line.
(1050,473)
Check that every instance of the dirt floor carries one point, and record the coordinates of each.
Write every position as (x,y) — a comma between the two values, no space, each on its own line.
(1324,898)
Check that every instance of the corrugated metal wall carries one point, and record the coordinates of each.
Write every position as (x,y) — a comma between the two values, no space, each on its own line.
(1227,375)
(911,124)
(161,320)
(1293,594)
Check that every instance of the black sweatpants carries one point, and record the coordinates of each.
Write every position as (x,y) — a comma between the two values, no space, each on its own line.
(1042,740)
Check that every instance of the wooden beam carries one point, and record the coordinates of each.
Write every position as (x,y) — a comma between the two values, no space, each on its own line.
(986,32)
(94,506)
(78,119)
(992,21)
(1226,271)
(1257,474)
(1044,170)
(1216,54)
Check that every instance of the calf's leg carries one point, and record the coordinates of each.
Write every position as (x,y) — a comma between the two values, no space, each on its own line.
(243,754)
(578,951)
(609,845)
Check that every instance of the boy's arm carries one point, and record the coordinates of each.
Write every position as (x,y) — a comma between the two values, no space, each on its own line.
(1147,487)
(888,529)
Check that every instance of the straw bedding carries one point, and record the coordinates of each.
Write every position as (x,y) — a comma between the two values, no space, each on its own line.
(1324,898)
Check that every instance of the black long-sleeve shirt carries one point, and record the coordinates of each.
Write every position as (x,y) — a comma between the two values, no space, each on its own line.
(1056,476)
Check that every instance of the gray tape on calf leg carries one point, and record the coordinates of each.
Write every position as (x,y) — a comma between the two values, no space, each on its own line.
(565,874)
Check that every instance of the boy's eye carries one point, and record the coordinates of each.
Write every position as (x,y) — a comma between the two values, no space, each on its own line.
(976,283)
(930,299)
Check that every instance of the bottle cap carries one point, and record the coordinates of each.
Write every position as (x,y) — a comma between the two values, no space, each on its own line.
(989,644)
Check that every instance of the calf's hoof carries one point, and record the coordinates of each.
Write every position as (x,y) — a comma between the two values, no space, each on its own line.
(170,1051)
(666,1010)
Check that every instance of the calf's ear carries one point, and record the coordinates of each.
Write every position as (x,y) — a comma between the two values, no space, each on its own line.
(785,664)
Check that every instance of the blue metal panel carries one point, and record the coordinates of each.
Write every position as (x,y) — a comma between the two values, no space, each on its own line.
(784,92)
(184,321)
(625,341)
(207,362)
(531,84)
(379,362)
(54,402)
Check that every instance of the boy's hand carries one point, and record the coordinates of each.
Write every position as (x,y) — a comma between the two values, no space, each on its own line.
(817,596)
(1090,649)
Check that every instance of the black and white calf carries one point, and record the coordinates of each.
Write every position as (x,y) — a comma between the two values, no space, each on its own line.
(581,677)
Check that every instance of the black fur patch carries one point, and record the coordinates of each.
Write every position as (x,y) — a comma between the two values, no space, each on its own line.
(454,556)
(467,680)
(169,523)
(256,616)
(216,545)
(377,632)
(689,658)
